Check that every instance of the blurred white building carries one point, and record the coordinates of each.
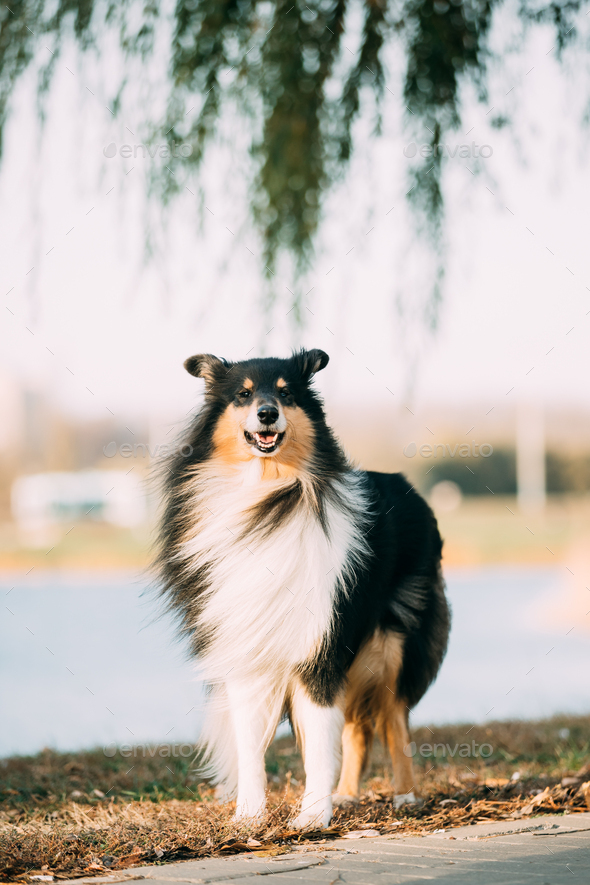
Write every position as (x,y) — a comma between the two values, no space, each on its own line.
(43,501)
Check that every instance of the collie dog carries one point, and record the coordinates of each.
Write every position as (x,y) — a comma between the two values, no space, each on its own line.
(306,587)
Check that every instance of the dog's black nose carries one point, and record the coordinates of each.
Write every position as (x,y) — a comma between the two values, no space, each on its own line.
(268,414)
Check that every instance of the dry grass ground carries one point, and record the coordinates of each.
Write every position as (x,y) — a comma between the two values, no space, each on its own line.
(74,814)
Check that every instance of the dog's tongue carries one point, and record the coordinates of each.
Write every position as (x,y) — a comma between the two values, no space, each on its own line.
(266,437)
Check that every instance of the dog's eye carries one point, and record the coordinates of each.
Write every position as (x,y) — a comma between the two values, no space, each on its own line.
(285,392)
(244,394)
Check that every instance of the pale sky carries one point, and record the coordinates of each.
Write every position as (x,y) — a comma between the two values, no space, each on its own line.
(98,330)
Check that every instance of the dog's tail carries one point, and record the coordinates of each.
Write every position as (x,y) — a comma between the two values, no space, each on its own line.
(425,647)
(218,761)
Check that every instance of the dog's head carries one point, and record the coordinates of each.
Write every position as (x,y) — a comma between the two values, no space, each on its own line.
(265,406)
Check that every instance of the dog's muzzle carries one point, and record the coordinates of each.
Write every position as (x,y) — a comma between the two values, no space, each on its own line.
(265,440)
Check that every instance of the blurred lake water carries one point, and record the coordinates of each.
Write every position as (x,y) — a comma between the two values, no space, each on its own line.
(86,661)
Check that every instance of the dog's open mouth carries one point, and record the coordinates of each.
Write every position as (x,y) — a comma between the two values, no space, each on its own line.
(265,441)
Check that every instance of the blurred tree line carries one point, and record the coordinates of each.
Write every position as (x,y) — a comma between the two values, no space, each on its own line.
(286,67)
(565,473)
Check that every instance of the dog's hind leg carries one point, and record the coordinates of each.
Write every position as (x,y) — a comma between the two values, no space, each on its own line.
(319,731)
(357,738)
(398,742)
(371,699)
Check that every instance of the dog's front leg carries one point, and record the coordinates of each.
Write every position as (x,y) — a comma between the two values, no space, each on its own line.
(319,730)
(250,726)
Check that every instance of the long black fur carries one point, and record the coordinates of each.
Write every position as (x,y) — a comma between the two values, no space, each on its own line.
(399,588)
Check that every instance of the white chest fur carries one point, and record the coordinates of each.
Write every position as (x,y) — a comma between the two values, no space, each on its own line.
(270,596)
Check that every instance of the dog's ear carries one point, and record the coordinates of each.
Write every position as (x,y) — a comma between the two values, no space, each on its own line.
(309,362)
(207,366)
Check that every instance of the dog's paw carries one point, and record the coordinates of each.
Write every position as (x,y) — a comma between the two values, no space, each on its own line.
(405,799)
(249,812)
(315,816)
(341,800)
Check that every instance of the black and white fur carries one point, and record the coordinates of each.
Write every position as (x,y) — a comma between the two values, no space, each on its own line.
(282,562)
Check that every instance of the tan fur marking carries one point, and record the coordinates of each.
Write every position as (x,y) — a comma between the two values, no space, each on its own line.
(357,738)
(290,459)
(396,729)
(296,449)
(372,702)
(228,438)
(281,383)
(248,384)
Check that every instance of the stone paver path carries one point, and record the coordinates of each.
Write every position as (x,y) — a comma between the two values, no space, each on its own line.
(548,850)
